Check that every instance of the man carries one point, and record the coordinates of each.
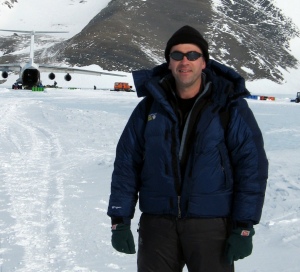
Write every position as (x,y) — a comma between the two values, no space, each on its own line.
(193,154)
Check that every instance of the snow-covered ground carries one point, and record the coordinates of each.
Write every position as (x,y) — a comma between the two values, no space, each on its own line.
(56,158)
(56,155)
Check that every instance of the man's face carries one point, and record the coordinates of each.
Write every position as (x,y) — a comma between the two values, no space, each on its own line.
(187,73)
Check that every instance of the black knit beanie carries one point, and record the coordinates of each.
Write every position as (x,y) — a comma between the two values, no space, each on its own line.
(187,34)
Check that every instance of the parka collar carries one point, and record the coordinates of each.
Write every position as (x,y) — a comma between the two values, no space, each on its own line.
(214,71)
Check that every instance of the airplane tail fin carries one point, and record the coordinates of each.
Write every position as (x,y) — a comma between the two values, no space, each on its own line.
(32,33)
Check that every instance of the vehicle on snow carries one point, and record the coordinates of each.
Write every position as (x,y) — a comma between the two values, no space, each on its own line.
(122,87)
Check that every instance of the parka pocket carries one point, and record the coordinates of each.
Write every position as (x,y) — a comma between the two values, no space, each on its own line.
(225,164)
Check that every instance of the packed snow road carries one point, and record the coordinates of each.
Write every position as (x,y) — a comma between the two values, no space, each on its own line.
(53,147)
(33,185)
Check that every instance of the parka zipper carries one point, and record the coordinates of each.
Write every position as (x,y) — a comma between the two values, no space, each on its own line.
(187,125)
(179,210)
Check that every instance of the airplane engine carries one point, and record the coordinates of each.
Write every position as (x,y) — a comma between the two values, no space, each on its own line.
(4,74)
(68,77)
(51,76)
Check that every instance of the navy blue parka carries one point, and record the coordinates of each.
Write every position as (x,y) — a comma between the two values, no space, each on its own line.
(207,169)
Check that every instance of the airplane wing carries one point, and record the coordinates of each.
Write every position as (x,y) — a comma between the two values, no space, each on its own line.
(10,67)
(59,69)
(16,67)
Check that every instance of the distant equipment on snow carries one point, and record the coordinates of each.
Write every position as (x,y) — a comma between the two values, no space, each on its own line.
(122,87)
(297,99)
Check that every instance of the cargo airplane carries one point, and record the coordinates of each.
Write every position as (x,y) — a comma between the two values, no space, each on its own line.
(29,73)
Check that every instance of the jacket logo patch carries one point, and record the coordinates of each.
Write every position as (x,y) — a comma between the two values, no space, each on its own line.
(245,233)
(151,116)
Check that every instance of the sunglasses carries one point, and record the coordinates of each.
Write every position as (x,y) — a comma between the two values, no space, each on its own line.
(191,56)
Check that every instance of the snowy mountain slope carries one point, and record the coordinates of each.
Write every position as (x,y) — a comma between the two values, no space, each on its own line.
(290,84)
(261,36)
(252,37)
(56,15)
(65,15)
(7,3)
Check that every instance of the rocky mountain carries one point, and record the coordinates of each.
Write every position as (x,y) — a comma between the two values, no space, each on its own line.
(251,36)
(9,3)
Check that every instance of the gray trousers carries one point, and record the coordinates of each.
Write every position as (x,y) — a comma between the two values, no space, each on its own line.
(167,244)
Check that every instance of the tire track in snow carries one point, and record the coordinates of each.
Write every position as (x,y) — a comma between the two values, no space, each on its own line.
(36,228)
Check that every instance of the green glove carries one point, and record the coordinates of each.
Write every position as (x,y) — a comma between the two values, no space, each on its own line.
(122,239)
(239,244)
